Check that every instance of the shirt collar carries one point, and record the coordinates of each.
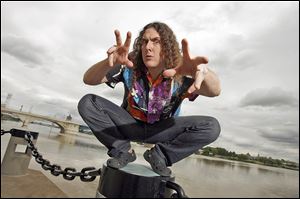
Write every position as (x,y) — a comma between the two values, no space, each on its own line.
(155,82)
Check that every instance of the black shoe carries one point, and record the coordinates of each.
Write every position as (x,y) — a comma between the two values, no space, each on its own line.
(157,163)
(121,160)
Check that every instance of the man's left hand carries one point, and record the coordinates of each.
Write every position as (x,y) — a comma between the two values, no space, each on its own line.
(190,66)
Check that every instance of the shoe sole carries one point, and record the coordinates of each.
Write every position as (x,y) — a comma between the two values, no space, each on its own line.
(116,165)
(154,168)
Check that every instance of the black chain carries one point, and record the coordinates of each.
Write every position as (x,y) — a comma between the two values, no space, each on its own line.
(87,174)
(4,132)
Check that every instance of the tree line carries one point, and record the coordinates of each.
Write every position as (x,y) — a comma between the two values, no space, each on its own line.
(230,155)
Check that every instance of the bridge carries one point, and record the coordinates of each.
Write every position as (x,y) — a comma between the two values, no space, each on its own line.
(67,127)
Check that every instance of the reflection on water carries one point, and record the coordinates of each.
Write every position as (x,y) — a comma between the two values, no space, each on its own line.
(199,176)
(265,171)
(208,177)
(89,145)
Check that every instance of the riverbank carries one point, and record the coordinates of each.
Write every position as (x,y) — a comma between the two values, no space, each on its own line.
(199,176)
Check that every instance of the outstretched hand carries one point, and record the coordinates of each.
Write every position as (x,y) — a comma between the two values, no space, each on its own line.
(118,54)
(189,66)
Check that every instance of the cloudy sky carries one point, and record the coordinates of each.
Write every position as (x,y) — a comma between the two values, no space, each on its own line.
(253,47)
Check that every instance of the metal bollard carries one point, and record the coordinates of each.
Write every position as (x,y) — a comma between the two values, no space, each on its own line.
(15,160)
(135,181)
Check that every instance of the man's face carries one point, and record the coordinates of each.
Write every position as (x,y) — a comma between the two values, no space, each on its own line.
(151,49)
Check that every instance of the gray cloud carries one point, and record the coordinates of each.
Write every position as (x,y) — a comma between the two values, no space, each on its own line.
(272,46)
(281,135)
(269,98)
(237,142)
(24,50)
(236,54)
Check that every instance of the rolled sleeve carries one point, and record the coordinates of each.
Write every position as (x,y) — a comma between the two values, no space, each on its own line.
(114,76)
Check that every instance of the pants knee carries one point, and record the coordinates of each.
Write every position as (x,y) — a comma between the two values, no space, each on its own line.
(215,129)
(84,102)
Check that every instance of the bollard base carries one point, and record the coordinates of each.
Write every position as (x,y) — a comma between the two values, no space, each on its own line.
(132,181)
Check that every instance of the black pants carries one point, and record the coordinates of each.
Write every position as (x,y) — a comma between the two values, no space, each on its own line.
(174,138)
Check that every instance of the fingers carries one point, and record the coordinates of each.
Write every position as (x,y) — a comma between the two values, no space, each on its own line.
(185,48)
(128,40)
(110,55)
(191,89)
(111,50)
(118,38)
(201,60)
(169,73)
(129,63)
(199,77)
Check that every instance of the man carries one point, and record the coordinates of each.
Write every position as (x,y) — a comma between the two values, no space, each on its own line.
(157,78)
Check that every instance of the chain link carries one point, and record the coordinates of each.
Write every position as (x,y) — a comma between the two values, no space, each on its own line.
(87,174)
(4,132)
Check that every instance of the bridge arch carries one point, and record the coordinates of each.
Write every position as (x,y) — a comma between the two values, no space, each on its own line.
(67,127)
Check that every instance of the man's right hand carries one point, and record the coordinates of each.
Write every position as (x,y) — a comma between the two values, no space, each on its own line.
(118,54)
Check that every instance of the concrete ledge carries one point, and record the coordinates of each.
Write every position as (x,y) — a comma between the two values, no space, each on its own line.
(32,185)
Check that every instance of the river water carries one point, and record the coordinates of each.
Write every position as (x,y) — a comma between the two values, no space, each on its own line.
(199,176)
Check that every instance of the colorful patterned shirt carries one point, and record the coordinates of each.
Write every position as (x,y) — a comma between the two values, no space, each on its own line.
(150,100)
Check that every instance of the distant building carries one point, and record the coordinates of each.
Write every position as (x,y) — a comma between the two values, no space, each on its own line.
(69,117)
(7,100)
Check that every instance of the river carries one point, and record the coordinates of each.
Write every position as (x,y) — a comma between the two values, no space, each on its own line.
(199,176)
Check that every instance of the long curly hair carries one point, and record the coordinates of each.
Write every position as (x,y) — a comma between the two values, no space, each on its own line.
(169,46)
